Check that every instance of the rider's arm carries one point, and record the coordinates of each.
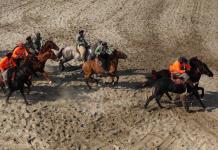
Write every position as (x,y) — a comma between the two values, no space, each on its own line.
(3,64)
(15,53)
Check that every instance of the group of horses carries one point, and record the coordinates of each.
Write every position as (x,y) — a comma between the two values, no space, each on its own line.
(33,63)
(163,83)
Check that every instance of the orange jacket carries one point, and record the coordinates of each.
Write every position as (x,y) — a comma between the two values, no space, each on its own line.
(19,53)
(177,67)
(6,62)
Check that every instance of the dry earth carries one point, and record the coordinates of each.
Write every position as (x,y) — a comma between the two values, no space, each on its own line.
(153,33)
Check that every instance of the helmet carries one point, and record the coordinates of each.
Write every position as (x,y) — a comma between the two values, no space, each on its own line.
(28,38)
(20,44)
(182,59)
(99,41)
(81,31)
(104,43)
(38,34)
(9,54)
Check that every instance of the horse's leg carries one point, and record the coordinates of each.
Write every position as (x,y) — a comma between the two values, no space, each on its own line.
(61,64)
(8,96)
(29,83)
(202,91)
(3,89)
(87,82)
(112,78)
(116,82)
(23,95)
(183,98)
(45,74)
(195,92)
(168,95)
(149,100)
(158,100)
(96,80)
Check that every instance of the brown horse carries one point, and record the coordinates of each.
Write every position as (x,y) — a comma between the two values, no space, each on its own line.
(91,67)
(45,54)
(39,62)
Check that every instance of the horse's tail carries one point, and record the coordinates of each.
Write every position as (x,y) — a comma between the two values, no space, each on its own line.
(60,54)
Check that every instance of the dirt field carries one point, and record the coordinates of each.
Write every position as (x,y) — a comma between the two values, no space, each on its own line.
(153,33)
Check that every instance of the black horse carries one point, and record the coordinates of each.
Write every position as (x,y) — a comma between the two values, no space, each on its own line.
(17,77)
(164,84)
(195,76)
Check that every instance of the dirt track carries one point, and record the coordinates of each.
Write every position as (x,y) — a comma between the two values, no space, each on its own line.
(153,33)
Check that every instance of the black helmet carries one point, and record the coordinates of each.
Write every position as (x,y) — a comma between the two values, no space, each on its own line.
(104,43)
(183,59)
(9,54)
(99,42)
(81,31)
(38,34)
(28,38)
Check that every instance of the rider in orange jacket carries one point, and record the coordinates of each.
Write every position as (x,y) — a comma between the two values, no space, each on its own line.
(6,63)
(19,53)
(180,67)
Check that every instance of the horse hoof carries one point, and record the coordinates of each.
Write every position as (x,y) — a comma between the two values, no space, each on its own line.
(145,106)
(28,104)
(7,103)
(115,83)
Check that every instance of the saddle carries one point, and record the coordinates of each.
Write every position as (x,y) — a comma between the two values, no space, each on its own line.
(176,80)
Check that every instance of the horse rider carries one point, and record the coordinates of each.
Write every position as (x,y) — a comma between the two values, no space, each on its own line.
(19,53)
(81,44)
(37,41)
(30,46)
(179,70)
(6,63)
(103,52)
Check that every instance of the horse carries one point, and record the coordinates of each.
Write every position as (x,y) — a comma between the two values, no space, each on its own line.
(195,76)
(17,77)
(40,60)
(68,53)
(93,66)
(164,84)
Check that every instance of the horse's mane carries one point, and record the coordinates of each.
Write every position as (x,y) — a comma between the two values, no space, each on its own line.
(194,61)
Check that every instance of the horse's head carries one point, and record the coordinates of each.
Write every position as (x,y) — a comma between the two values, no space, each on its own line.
(49,45)
(200,66)
(120,55)
(43,56)
(52,56)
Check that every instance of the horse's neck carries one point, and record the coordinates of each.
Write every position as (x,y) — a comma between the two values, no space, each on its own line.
(194,75)
(43,57)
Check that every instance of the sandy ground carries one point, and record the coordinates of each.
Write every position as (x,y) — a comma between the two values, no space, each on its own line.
(153,33)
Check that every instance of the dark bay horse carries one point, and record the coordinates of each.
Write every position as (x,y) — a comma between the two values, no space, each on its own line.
(17,77)
(164,84)
(194,75)
(91,67)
